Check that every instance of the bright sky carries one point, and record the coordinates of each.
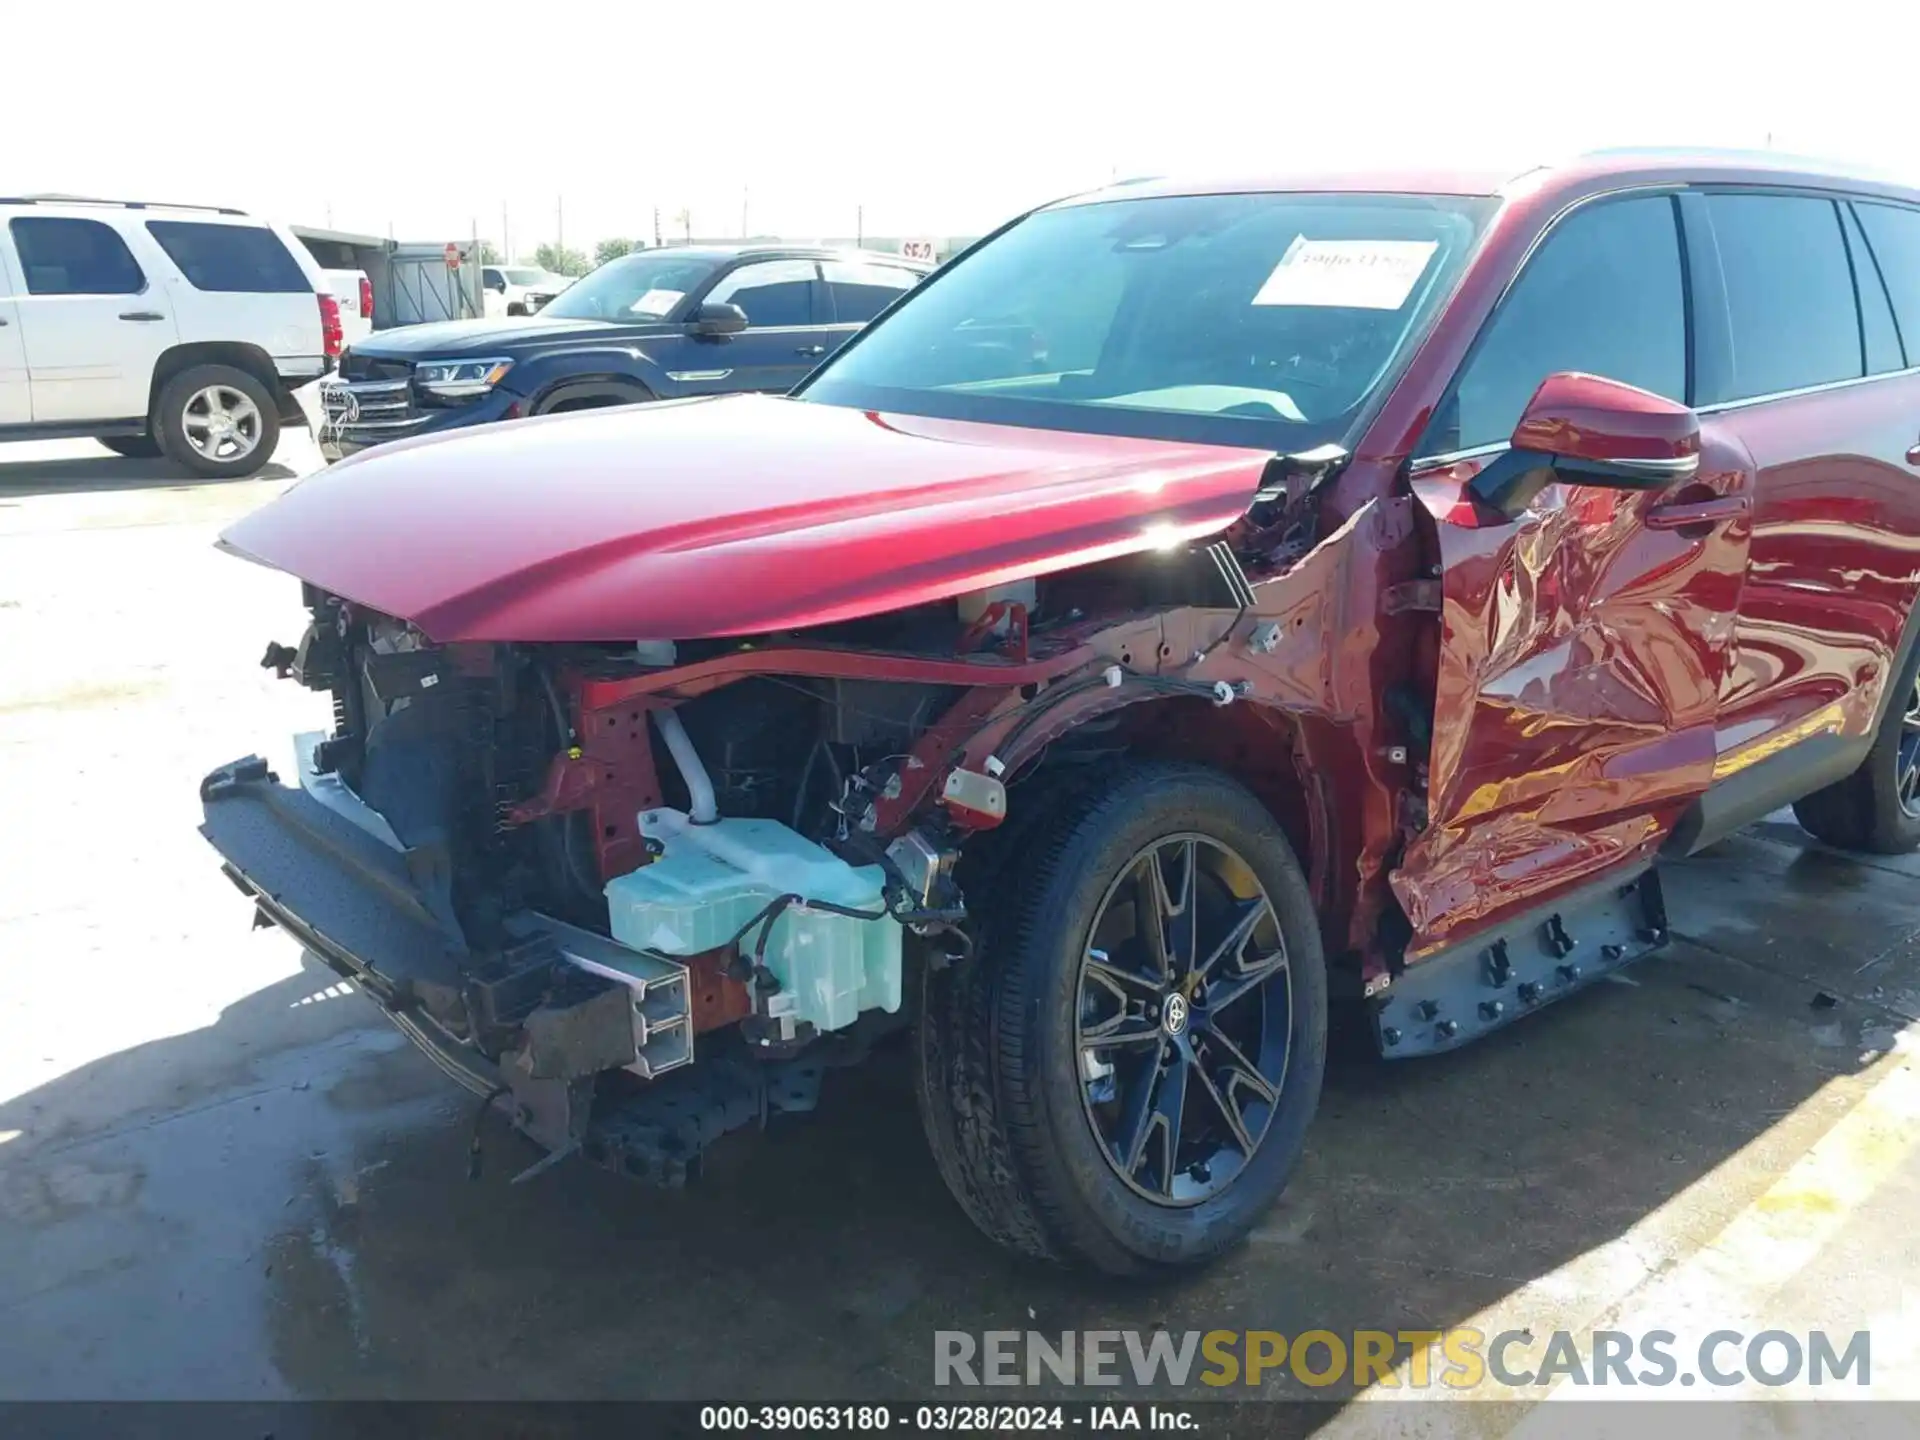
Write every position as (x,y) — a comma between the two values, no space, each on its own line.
(936,118)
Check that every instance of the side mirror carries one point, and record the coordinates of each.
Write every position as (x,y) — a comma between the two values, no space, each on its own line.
(718,317)
(1588,430)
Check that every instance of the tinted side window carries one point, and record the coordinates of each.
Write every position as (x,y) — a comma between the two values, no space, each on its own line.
(773,292)
(1602,295)
(1895,236)
(861,292)
(1878,333)
(1790,305)
(246,258)
(331,254)
(74,257)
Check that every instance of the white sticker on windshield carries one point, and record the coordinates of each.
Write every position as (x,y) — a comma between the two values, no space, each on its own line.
(1350,274)
(656,302)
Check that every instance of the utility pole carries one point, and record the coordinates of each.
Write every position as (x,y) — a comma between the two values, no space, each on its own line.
(559,222)
(859,226)
(743,212)
(506,239)
(656,227)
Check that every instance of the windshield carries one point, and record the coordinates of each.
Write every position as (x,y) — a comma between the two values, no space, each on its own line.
(524,277)
(1263,320)
(634,287)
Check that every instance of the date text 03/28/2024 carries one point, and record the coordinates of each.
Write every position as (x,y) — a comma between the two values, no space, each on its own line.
(936,1419)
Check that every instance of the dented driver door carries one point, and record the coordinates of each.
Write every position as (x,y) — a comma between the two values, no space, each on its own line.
(1583,641)
(1582,652)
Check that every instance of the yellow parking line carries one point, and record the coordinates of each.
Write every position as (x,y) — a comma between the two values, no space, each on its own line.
(1724,1284)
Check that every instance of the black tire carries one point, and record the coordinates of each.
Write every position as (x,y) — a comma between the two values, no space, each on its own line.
(1008,1112)
(171,421)
(131,447)
(571,407)
(562,403)
(1876,809)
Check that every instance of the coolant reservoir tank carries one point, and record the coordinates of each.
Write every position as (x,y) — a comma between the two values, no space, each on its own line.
(975,602)
(711,880)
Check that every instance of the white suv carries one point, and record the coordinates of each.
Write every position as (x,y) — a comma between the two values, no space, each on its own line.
(157,329)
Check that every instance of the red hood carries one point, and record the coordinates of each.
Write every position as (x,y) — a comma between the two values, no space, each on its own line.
(731,516)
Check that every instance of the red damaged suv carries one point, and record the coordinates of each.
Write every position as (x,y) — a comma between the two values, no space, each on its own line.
(1191,605)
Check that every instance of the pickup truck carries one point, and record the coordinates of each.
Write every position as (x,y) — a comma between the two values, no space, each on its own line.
(513,290)
(354,291)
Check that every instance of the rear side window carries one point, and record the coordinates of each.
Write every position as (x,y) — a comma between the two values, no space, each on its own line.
(1895,236)
(861,292)
(1602,295)
(1790,303)
(74,257)
(246,258)
(1878,334)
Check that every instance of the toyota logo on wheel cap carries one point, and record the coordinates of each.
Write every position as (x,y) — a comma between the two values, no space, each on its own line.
(1174,1017)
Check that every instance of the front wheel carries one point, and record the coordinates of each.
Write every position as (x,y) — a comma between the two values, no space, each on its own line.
(1122,1079)
(216,421)
(1877,807)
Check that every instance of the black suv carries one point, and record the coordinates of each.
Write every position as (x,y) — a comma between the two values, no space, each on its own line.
(653,325)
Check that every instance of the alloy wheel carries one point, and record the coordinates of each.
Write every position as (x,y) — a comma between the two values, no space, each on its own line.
(221,423)
(1183,1018)
(1906,770)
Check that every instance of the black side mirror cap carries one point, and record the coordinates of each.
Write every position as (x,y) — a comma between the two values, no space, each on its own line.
(719,317)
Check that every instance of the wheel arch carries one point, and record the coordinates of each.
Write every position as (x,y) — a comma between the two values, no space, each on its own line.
(1266,748)
(250,359)
(577,392)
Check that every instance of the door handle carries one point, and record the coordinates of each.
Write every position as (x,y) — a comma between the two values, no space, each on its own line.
(141,315)
(1697,512)
(811,350)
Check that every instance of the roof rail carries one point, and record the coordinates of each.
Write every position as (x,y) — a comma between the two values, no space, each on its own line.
(1758,155)
(53,199)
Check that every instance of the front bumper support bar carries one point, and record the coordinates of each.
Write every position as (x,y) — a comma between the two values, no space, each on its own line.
(573,1046)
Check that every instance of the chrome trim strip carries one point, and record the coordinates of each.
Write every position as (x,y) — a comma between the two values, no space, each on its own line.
(1454,457)
(698,374)
(1675,466)
(351,426)
(1722,406)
